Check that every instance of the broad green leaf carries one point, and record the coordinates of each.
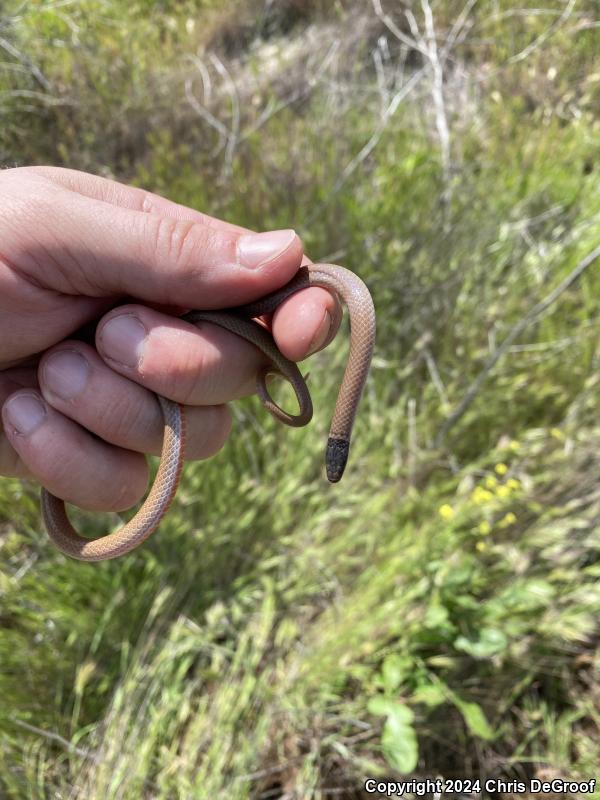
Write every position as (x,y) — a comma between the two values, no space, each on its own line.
(430,695)
(393,670)
(399,740)
(381,706)
(491,641)
(436,616)
(475,718)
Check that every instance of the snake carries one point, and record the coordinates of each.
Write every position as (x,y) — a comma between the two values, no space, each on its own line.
(242,321)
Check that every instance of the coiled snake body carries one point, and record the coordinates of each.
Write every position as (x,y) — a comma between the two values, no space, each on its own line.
(355,295)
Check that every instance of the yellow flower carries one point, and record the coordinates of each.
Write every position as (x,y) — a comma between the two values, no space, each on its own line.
(481,496)
(446,511)
(481,546)
(508,519)
(514,445)
(501,469)
(503,491)
(491,482)
(513,483)
(557,434)
(484,528)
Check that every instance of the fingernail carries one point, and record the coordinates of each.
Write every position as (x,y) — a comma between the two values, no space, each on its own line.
(122,339)
(256,249)
(322,334)
(66,373)
(25,413)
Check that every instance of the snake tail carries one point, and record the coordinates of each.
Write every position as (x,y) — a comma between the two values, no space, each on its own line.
(336,457)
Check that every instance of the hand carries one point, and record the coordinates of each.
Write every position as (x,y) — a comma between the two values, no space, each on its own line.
(74,248)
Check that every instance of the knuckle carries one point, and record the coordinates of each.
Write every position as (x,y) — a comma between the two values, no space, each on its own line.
(115,419)
(175,241)
(196,367)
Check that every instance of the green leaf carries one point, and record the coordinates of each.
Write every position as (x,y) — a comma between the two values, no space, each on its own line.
(381,706)
(393,670)
(436,616)
(430,695)
(474,717)
(399,740)
(491,642)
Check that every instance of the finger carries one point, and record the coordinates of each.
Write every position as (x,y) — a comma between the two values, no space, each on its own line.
(75,381)
(68,460)
(79,245)
(11,380)
(194,365)
(306,322)
(137,199)
(11,465)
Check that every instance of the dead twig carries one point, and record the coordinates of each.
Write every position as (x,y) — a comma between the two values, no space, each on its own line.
(26,62)
(437,89)
(55,737)
(544,35)
(389,23)
(234,131)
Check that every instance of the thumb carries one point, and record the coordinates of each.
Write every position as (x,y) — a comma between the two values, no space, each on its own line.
(80,245)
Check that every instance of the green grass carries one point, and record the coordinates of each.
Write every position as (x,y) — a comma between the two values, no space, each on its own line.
(437,612)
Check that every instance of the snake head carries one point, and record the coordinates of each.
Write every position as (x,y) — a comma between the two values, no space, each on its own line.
(336,458)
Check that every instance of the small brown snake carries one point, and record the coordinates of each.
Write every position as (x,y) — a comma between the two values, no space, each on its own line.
(239,320)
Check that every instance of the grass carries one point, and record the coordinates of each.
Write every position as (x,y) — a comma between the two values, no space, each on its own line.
(437,613)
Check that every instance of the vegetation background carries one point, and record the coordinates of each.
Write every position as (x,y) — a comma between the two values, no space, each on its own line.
(280,638)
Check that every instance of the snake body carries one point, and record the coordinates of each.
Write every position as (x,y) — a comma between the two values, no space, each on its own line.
(357,299)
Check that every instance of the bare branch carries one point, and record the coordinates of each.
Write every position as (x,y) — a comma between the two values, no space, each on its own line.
(458,29)
(544,35)
(206,114)
(437,90)
(435,375)
(234,131)
(33,95)
(202,111)
(205,77)
(393,28)
(26,62)
(55,737)
(414,27)
(380,74)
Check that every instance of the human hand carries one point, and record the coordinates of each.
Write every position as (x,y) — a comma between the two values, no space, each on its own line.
(79,418)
